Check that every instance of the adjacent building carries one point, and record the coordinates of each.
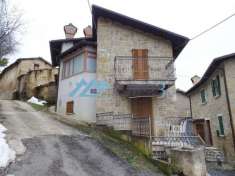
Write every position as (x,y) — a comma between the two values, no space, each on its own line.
(122,66)
(212,102)
(41,83)
(8,77)
(28,77)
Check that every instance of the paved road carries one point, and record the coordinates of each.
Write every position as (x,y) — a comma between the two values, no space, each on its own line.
(50,148)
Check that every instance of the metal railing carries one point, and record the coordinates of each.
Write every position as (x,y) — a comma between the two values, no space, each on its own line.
(177,141)
(140,126)
(156,68)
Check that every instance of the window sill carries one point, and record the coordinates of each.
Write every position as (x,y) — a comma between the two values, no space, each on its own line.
(221,136)
(70,113)
(217,96)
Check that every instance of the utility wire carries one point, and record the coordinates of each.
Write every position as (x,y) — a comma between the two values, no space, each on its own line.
(207,30)
(89,5)
(212,27)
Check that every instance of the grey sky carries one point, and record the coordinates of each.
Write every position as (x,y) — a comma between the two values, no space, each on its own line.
(44,21)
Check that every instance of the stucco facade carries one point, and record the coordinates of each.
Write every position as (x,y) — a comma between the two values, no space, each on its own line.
(8,77)
(217,106)
(83,105)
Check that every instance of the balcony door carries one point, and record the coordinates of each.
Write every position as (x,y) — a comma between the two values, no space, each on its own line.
(140,64)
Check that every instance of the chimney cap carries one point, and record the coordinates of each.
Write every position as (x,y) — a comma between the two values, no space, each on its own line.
(70,30)
(195,79)
(87,31)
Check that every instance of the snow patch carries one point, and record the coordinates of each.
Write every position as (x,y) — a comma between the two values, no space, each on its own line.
(7,155)
(37,101)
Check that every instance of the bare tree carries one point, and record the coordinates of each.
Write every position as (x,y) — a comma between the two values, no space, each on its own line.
(9,25)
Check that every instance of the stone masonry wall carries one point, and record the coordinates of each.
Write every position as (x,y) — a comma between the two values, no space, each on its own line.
(115,39)
(8,82)
(230,77)
(215,106)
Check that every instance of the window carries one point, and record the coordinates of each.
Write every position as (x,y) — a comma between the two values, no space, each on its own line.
(36,66)
(221,125)
(78,64)
(91,65)
(73,66)
(69,107)
(215,85)
(66,69)
(203,96)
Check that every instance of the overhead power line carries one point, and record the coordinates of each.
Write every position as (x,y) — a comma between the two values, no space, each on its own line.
(212,27)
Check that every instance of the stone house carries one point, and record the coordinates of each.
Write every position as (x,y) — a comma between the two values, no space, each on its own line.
(40,83)
(122,66)
(8,77)
(182,104)
(212,105)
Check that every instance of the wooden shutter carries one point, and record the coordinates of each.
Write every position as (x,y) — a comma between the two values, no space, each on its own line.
(213,87)
(203,96)
(221,125)
(69,107)
(218,85)
(140,64)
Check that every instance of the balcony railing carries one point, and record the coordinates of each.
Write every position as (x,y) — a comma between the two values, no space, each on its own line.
(153,68)
(140,126)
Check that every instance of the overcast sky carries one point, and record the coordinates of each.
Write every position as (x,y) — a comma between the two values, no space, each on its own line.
(44,21)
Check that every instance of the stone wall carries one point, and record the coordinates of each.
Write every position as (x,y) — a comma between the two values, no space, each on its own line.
(215,106)
(115,39)
(8,79)
(30,82)
(48,92)
(190,162)
(230,79)
(182,105)
(8,84)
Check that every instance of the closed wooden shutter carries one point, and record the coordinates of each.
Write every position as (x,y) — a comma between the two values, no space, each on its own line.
(140,64)
(69,107)
(221,125)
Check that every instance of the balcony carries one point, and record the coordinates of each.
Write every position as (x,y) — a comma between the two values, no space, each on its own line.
(143,76)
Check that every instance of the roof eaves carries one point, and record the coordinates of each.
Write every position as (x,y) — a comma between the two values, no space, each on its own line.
(213,65)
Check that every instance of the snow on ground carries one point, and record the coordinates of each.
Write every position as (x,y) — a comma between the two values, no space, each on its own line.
(35,100)
(6,154)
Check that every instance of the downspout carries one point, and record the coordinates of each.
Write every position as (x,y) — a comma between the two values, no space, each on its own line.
(190,104)
(229,106)
(57,87)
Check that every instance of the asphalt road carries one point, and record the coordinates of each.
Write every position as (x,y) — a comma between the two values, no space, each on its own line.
(46,147)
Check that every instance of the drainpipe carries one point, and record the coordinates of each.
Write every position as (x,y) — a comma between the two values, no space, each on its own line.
(190,104)
(229,106)
(58,82)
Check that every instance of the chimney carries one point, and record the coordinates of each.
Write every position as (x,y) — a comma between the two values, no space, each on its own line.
(195,79)
(88,31)
(70,30)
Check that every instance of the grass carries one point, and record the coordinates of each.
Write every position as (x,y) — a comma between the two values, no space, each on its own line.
(125,150)
(37,107)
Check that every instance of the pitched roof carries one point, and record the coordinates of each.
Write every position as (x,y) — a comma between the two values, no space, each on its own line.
(18,61)
(214,64)
(178,41)
(56,46)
